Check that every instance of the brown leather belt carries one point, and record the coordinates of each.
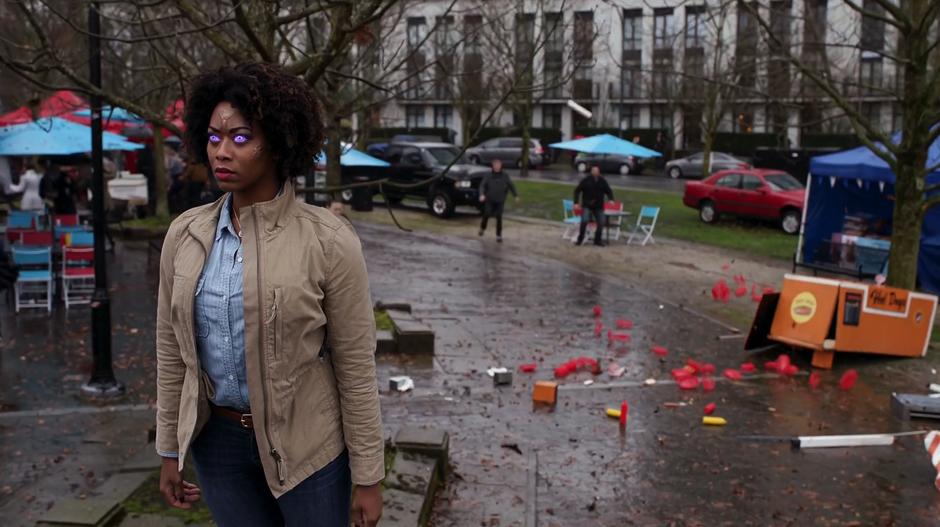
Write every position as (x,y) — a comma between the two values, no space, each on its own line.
(243,420)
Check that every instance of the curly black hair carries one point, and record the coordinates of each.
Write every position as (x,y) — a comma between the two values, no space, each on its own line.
(283,105)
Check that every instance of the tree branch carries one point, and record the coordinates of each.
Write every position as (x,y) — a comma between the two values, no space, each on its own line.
(242,20)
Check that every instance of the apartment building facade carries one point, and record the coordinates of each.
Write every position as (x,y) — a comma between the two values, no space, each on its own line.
(641,64)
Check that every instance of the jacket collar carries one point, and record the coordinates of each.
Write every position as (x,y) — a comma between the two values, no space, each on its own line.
(272,214)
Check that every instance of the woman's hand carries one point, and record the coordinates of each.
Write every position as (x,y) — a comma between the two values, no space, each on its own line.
(176,491)
(367,505)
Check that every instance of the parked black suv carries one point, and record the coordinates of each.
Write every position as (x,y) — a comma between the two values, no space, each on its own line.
(416,162)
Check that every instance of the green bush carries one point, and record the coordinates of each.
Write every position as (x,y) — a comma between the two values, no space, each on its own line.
(743,144)
(840,141)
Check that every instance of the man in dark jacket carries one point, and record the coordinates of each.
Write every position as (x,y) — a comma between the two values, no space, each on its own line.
(593,189)
(493,192)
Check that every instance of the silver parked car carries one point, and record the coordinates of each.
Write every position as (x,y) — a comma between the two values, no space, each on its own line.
(691,166)
(508,150)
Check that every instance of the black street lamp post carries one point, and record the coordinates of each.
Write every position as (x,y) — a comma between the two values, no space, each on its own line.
(102,382)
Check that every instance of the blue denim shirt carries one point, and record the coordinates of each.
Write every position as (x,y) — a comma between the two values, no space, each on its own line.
(219,312)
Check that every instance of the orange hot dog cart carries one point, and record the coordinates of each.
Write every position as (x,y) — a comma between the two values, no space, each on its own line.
(827,316)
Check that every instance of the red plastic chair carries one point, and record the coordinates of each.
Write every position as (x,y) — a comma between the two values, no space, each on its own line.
(78,275)
(36,238)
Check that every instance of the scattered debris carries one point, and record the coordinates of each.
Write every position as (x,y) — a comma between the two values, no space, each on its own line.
(720,291)
(545,392)
(934,387)
(598,311)
(675,405)
(623,323)
(615,370)
(400,383)
(733,336)
(589,382)
(709,408)
(732,374)
(713,421)
(844,441)
(814,380)
(908,405)
(613,413)
(512,446)
(649,382)
(708,384)
(598,329)
(574,365)
(659,350)
(613,336)
(748,367)
(493,371)
(689,383)
(527,368)
(932,443)
(624,411)
(848,380)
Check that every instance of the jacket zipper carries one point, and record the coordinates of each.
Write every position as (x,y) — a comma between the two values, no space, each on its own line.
(261,334)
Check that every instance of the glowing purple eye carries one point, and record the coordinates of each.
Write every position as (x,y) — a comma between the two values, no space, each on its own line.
(240,139)
(214,139)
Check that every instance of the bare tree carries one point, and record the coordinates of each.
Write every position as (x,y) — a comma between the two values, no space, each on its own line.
(878,36)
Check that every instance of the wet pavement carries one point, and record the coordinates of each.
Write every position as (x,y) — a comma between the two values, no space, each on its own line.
(493,306)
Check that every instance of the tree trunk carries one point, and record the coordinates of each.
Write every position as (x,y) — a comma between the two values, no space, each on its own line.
(906,228)
(334,137)
(160,182)
(526,139)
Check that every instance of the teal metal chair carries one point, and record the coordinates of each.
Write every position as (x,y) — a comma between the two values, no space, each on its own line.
(645,223)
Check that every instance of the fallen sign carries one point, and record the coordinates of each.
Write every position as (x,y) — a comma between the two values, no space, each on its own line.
(827,316)
(835,441)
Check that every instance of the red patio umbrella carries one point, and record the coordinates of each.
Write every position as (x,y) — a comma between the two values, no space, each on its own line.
(60,104)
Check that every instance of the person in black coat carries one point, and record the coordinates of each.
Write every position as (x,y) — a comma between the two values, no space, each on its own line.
(591,192)
(493,192)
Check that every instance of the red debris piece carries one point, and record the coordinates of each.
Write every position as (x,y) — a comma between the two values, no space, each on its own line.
(720,291)
(732,374)
(680,374)
(709,409)
(748,367)
(689,383)
(725,267)
(694,366)
(579,363)
(707,368)
(527,368)
(624,409)
(661,351)
(740,291)
(769,290)
(790,370)
(740,279)
(848,380)
(783,362)
(598,328)
(598,311)
(708,384)
(771,366)
(624,323)
(613,336)
(563,371)
(755,294)
(814,380)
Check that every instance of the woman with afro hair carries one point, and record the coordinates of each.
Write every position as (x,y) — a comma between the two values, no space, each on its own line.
(265,330)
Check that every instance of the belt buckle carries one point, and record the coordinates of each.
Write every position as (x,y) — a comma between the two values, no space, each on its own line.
(245,421)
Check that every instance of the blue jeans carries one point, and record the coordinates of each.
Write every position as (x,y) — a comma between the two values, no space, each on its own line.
(232,481)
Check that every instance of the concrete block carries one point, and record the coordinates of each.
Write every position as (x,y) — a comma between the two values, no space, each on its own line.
(502,378)
(97,512)
(146,459)
(151,520)
(545,392)
(396,305)
(120,486)
(428,441)
(385,342)
(412,336)
(401,509)
(412,472)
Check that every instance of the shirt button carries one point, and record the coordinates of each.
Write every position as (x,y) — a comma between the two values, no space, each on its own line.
(231,377)
(226,339)
(239,259)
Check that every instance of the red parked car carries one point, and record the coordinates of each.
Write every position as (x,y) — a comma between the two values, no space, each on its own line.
(755,193)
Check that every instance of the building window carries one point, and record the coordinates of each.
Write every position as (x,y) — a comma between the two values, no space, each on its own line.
(443,116)
(870,74)
(584,36)
(445,42)
(662,28)
(583,82)
(632,79)
(554,31)
(871,111)
(414,116)
(472,86)
(417,31)
(551,116)
(525,38)
(692,129)
(695,26)
(660,117)
(629,116)
(632,29)
(743,121)
(746,49)
(873,29)
(662,74)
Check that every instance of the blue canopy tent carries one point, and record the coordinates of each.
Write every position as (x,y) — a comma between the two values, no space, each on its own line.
(350,157)
(55,136)
(606,144)
(859,183)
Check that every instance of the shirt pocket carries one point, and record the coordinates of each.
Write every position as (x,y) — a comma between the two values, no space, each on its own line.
(202,320)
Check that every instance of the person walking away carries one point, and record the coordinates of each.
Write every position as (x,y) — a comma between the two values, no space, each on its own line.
(29,185)
(493,192)
(591,191)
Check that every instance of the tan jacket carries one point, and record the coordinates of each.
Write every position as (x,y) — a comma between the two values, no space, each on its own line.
(304,277)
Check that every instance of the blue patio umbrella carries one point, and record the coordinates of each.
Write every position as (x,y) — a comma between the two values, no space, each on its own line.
(113,114)
(55,136)
(350,157)
(606,144)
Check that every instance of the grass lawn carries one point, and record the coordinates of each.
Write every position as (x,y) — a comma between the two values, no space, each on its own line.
(543,200)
